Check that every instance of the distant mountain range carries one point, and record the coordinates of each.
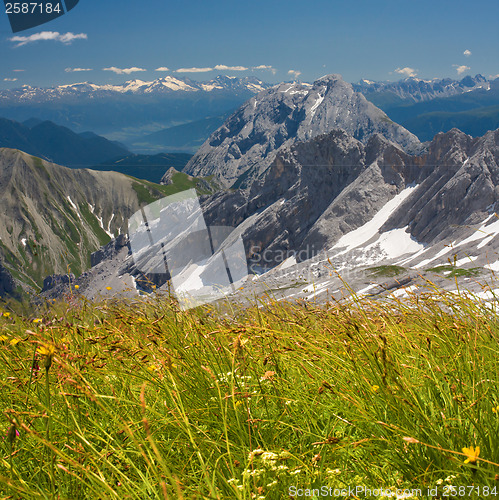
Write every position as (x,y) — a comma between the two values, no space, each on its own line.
(419,90)
(58,144)
(161,86)
(127,112)
(428,107)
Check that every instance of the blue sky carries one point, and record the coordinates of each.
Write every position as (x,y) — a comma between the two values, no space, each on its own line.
(377,40)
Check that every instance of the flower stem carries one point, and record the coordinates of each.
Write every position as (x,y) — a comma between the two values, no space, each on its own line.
(48,429)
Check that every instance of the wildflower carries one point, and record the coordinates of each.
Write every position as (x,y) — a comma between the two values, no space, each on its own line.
(495,409)
(472,454)
(48,351)
(153,368)
(238,403)
(3,338)
(37,320)
(14,341)
(6,314)
(268,375)
(76,287)
(375,388)
(270,457)
(109,288)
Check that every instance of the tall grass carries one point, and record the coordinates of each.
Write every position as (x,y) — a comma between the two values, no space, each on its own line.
(141,400)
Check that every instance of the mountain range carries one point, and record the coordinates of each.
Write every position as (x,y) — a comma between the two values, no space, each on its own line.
(321,182)
(428,107)
(58,144)
(127,112)
(419,90)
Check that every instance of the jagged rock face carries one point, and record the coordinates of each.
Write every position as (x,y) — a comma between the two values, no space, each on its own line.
(459,186)
(313,193)
(245,146)
(108,251)
(318,191)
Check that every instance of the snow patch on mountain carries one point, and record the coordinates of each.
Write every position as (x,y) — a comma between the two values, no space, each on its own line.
(363,234)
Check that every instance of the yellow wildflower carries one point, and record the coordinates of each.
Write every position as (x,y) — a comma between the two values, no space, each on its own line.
(472,454)
(37,320)
(14,341)
(495,409)
(47,350)
(109,288)
(6,314)
(3,338)
(76,287)
(375,388)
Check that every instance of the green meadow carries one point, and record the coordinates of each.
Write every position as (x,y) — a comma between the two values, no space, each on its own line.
(140,400)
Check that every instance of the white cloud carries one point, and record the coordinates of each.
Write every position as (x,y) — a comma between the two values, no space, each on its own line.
(162,68)
(461,69)
(18,70)
(193,70)
(294,73)
(77,70)
(467,53)
(409,72)
(266,67)
(222,67)
(124,71)
(10,79)
(65,38)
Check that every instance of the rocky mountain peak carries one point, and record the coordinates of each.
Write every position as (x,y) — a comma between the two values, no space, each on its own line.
(246,144)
